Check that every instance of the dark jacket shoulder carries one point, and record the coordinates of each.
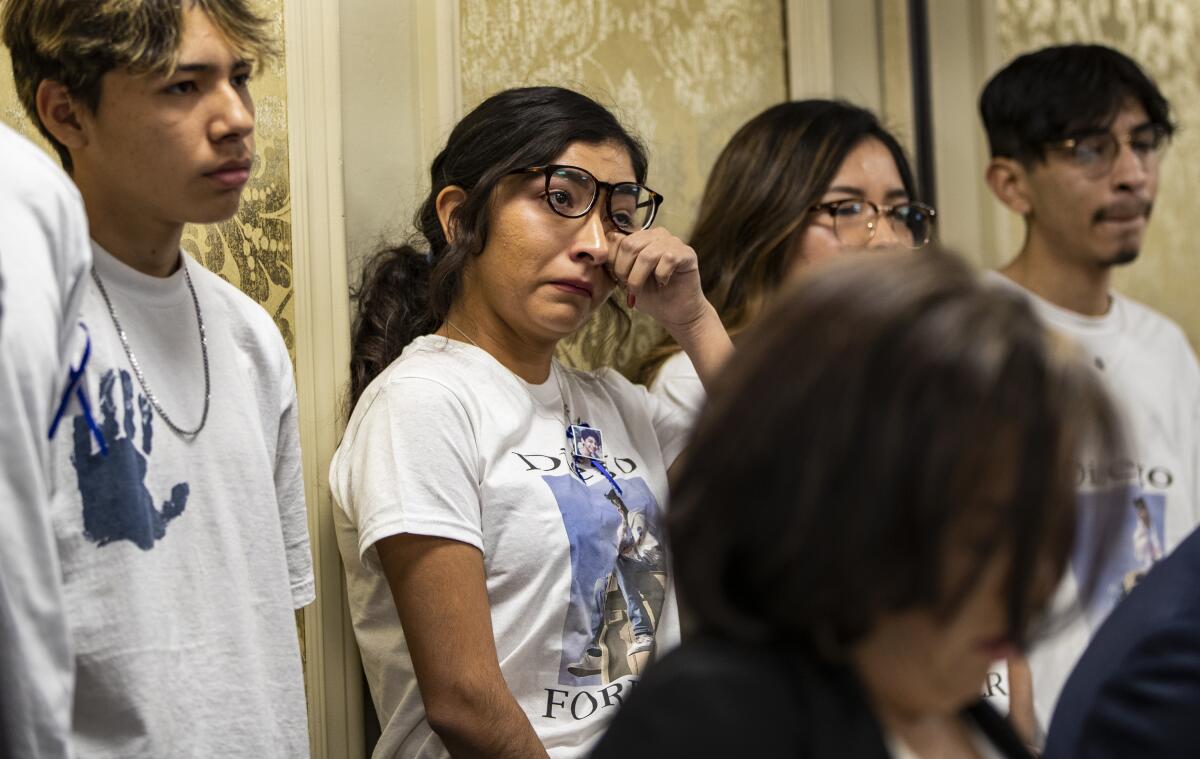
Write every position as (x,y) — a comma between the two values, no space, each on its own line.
(718,698)
(1137,686)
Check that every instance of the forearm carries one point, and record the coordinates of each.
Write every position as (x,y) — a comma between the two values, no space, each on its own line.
(439,586)
(706,343)
(486,723)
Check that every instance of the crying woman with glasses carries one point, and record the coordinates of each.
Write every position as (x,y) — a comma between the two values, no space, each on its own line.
(801,183)
(505,581)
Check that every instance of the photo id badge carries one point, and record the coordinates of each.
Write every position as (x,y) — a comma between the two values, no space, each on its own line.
(588,442)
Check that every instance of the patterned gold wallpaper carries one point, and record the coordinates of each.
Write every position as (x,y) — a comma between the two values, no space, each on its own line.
(1164,37)
(254,249)
(681,74)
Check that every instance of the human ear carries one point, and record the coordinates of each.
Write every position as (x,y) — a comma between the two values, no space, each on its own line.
(1008,180)
(59,114)
(449,199)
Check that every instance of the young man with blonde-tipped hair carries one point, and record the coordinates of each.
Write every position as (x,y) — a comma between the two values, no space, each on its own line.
(179,513)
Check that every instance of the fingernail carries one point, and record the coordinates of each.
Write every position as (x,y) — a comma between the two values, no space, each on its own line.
(630,300)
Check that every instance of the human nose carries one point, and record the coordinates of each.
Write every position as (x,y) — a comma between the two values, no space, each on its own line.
(1129,169)
(591,240)
(885,234)
(233,113)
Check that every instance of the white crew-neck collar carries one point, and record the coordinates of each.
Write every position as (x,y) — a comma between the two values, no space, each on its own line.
(145,289)
(1066,319)
(543,393)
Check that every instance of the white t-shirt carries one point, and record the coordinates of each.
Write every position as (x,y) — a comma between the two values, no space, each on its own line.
(678,384)
(1152,374)
(447,442)
(183,559)
(44,257)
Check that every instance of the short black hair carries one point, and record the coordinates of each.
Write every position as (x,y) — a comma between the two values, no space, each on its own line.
(1053,93)
(931,413)
(593,434)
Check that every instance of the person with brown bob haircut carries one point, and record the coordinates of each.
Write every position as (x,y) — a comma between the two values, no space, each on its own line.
(851,588)
(178,508)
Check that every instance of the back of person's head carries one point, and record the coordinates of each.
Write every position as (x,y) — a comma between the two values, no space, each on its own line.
(756,204)
(407,291)
(77,42)
(888,409)
(1053,93)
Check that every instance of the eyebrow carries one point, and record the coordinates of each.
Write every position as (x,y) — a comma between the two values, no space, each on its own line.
(1086,132)
(897,192)
(204,68)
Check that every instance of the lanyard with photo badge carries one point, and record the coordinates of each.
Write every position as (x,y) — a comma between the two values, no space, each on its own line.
(575,435)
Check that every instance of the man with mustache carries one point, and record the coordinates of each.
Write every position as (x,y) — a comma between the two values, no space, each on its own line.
(1077,134)
(178,505)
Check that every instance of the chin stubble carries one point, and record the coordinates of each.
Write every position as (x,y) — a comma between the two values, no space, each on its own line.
(1124,257)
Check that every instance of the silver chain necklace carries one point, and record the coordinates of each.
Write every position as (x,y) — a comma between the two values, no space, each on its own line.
(137,368)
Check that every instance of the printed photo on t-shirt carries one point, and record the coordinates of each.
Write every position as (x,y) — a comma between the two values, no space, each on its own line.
(1126,560)
(618,577)
(588,442)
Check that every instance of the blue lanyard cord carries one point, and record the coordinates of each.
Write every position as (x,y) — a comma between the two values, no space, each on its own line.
(73,386)
(607,475)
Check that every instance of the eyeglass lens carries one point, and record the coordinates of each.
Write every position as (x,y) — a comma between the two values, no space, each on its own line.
(1099,151)
(572,192)
(853,223)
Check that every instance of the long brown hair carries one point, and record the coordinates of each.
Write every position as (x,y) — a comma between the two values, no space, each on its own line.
(756,202)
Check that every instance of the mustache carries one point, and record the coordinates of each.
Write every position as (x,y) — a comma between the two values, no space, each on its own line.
(1124,209)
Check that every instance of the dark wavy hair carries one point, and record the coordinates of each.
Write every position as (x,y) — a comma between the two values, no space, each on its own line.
(757,199)
(923,410)
(406,291)
(1055,92)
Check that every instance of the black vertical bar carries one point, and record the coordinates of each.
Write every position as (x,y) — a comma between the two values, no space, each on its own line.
(918,44)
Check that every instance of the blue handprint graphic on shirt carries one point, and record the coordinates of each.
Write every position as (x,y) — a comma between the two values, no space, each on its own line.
(116,503)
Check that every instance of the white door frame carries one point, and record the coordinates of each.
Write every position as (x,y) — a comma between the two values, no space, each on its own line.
(322,359)
(426,86)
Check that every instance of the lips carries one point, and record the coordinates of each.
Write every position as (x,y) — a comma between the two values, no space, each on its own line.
(231,174)
(574,286)
(1124,212)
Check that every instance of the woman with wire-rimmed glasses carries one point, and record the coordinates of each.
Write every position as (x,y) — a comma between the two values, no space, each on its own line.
(502,601)
(798,184)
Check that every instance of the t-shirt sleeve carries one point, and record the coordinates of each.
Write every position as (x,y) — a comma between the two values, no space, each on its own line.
(678,385)
(76,259)
(413,468)
(289,491)
(672,425)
